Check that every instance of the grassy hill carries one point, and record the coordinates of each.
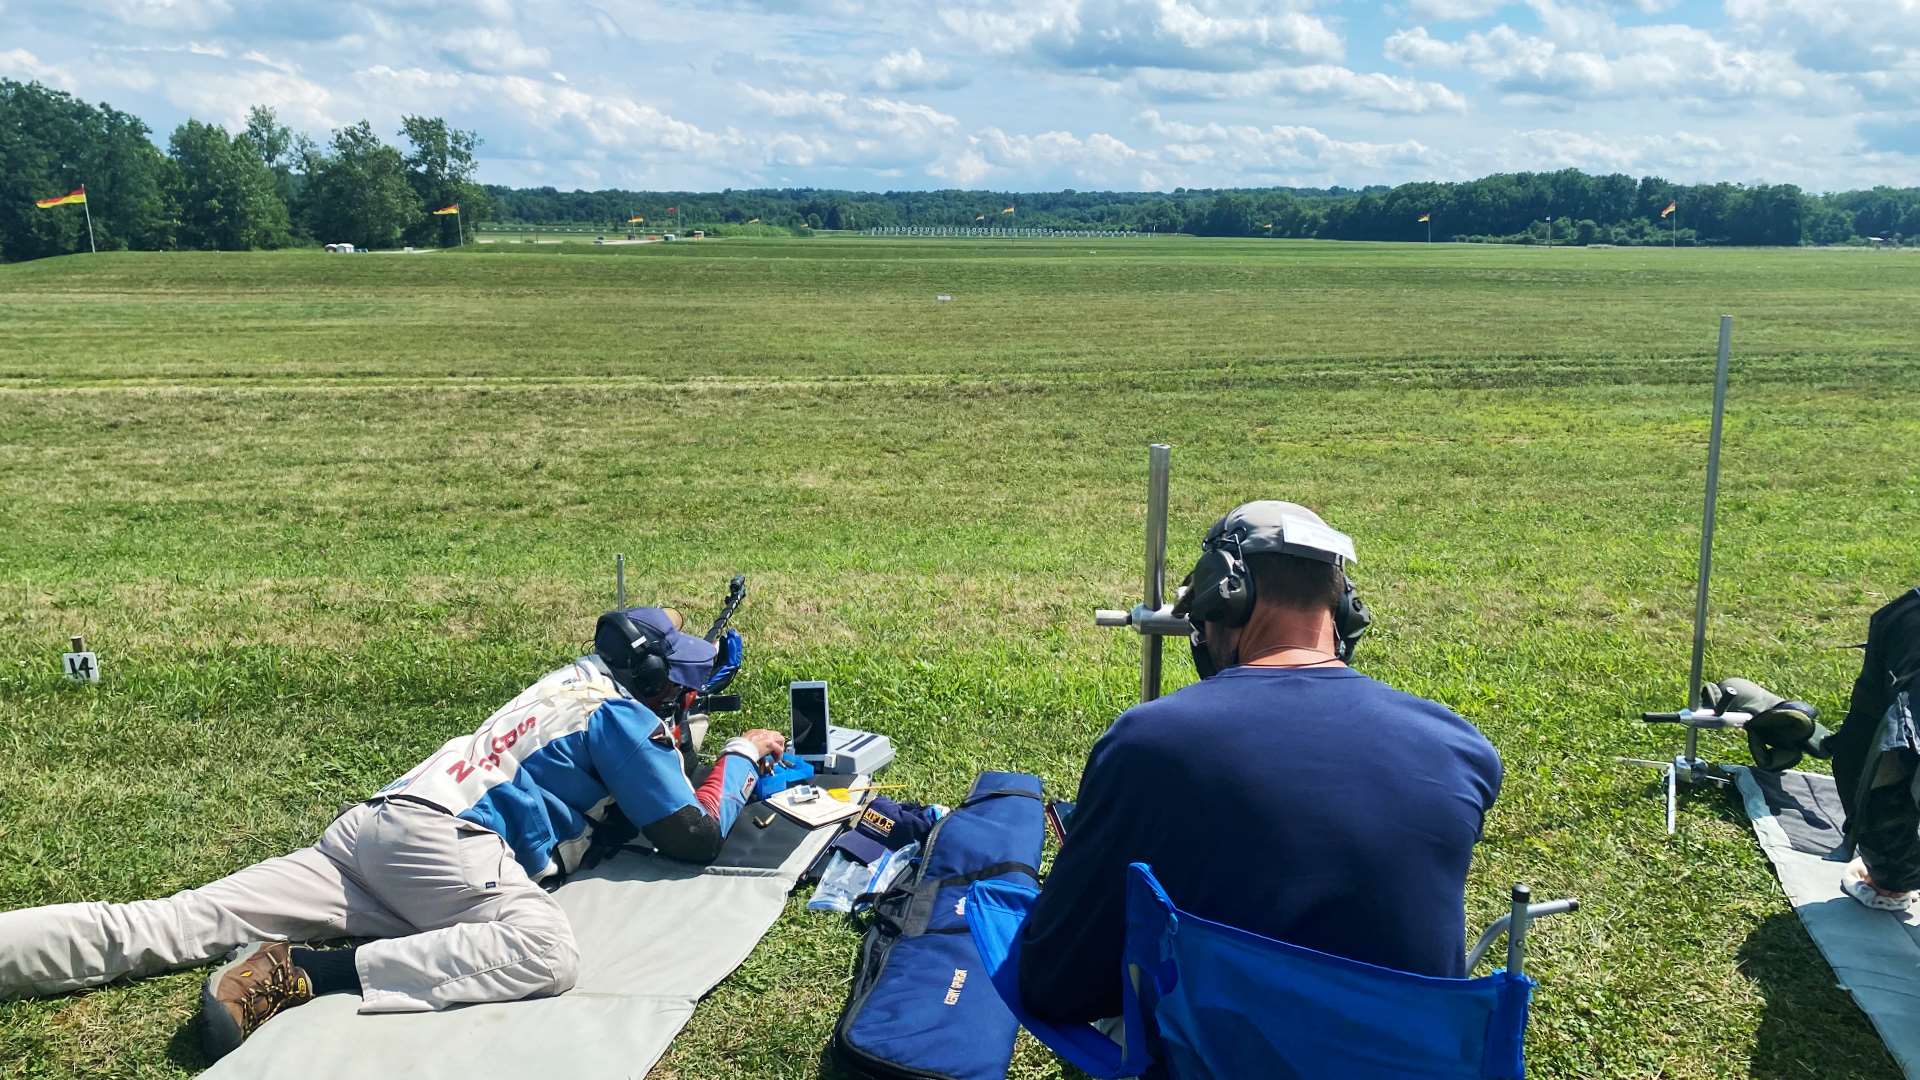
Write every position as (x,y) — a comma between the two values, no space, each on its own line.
(317,513)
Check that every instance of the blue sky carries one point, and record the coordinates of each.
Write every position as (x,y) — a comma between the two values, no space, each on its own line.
(1034,94)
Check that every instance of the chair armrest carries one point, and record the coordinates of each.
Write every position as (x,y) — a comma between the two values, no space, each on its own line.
(1522,914)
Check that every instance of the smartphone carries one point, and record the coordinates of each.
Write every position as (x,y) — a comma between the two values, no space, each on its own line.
(808,701)
(1057,813)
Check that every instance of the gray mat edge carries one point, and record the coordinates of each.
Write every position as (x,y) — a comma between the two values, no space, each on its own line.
(1903,1045)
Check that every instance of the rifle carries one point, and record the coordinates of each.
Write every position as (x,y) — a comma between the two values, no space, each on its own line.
(702,701)
(736,592)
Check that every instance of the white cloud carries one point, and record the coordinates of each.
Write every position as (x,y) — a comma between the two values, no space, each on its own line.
(492,49)
(1119,35)
(1292,154)
(1417,48)
(854,115)
(1685,151)
(1585,58)
(532,107)
(1063,158)
(23,65)
(1871,45)
(224,94)
(1032,93)
(171,15)
(909,71)
(1316,84)
(1450,10)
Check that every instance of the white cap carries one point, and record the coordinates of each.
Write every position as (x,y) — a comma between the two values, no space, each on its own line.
(1269,526)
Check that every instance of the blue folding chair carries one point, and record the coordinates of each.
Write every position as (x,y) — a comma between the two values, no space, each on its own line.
(1207,1000)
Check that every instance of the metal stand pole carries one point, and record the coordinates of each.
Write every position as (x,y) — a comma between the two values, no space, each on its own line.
(1152,618)
(1687,767)
(88,207)
(1159,464)
(1695,670)
(620,582)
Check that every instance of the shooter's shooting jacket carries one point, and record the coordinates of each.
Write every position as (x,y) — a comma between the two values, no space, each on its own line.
(547,768)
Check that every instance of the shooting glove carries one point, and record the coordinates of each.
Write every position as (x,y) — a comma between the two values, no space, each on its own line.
(1780,731)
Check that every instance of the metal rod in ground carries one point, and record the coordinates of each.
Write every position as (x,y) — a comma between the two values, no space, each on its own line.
(620,582)
(1695,670)
(84,205)
(1159,463)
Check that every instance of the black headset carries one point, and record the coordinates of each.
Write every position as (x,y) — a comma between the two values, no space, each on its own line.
(635,653)
(1220,589)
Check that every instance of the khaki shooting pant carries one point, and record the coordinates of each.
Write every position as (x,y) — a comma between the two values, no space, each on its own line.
(458,919)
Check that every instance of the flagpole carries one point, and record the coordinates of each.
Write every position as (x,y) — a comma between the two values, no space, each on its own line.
(459,227)
(88,207)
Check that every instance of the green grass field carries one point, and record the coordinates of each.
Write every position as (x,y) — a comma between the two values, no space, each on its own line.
(318,513)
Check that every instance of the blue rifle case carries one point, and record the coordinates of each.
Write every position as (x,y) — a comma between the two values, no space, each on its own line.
(921,1005)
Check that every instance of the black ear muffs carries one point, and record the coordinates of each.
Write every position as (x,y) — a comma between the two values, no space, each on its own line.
(1221,589)
(1350,619)
(635,653)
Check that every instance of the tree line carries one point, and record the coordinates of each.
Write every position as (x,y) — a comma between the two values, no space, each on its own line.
(268,186)
(1504,208)
(264,187)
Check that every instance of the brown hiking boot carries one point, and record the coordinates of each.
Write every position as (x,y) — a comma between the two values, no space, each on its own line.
(254,985)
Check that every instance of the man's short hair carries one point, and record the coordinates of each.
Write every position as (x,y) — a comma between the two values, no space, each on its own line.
(1293,582)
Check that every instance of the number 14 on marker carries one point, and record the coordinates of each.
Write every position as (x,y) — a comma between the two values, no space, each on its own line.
(82,666)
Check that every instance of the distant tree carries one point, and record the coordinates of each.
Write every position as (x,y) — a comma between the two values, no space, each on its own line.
(224,191)
(280,150)
(440,168)
(1231,215)
(51,143)
(270,140)
(358,191)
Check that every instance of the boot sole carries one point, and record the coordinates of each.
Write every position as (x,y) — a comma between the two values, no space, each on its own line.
(219,1034)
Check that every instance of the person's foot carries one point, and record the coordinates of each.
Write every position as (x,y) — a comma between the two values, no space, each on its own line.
(257,983)
(1856,883)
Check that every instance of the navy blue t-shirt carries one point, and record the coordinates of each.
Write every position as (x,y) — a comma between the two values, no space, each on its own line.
(1317,806)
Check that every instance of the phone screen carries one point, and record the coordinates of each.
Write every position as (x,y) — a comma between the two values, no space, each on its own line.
(809,720)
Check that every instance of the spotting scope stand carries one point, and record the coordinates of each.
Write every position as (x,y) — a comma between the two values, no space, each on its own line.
(1152,618)
(1688,767)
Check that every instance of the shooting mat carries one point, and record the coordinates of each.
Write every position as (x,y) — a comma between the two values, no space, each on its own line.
(1875,954)
(654,935)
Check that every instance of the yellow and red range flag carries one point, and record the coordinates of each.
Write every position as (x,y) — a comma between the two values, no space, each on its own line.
(673,209)
(979,217)
(1268,225)
(636,218)
(1671,207)
(454,209)
(754,221)
(1008,210)
(77,195)
(1428,216)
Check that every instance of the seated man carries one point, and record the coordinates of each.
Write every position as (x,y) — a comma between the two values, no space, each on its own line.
(442,865)
(1285,793)
(1876,753)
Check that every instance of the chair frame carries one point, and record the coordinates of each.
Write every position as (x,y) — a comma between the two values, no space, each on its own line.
(1515,924)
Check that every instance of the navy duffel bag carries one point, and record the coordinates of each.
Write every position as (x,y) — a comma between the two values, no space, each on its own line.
(921,1006)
